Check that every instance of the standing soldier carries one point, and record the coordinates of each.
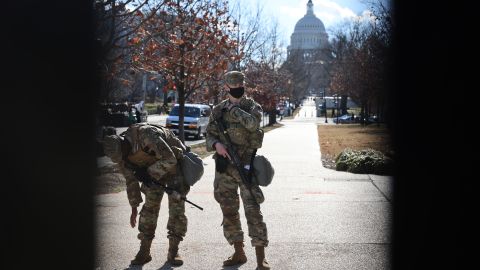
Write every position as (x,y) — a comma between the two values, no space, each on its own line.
(152,152)
(241,118)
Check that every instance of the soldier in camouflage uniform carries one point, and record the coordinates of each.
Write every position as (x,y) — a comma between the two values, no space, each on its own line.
(157,151)
(241,117)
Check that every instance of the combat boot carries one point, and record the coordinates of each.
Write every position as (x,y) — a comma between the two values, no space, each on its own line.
(173,257)
(238,257)
(262,264)
(143,255)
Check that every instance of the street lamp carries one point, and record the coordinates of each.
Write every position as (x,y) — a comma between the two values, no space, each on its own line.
(336,105)
(325,106)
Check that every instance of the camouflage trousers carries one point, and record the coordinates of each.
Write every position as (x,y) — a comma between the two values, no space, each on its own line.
(225,191)
(177,221)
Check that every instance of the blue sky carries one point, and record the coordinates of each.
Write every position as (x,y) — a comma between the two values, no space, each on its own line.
(288,12)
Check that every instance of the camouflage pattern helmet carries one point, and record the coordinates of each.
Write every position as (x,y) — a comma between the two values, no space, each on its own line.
(263,171)
(234,77)
(112,146)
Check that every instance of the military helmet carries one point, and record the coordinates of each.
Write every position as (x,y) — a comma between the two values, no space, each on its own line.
(234,77)
(263,171)
(112,146)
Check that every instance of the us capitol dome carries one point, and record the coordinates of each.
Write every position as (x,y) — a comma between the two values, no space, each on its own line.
(309,33)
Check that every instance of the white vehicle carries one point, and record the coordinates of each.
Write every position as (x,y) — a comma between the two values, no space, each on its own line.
(195,119)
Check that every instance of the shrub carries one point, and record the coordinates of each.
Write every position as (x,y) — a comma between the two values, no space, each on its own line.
(364,161)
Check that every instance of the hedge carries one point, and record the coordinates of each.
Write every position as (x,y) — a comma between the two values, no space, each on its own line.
(364,161)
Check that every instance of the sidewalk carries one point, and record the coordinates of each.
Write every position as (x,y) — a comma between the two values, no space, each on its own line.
(317,218)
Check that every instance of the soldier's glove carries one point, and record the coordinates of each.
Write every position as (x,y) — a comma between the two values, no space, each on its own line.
(221,164)
(142,175)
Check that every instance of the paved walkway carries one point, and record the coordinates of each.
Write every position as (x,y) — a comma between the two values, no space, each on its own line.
(317,218)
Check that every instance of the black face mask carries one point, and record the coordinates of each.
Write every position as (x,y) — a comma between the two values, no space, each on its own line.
(237,92)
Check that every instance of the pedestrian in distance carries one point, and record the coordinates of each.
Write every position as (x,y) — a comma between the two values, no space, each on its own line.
(131,117)
(236,122)
(138,115)
(148,157)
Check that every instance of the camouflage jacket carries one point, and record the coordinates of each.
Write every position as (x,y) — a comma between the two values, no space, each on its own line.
(154,148)
(242,124)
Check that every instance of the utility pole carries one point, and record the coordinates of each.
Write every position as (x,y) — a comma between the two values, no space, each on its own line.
(325,105)
(144,86)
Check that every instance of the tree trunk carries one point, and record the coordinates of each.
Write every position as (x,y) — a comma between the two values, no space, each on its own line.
(152,96)
(181,96)
(362,113)
(272,117)
(181,109)
(379,110)
(343,104)
(165,97)
(144,86)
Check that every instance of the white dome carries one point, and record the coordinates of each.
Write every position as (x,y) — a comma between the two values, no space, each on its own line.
(309,33)
(309,23)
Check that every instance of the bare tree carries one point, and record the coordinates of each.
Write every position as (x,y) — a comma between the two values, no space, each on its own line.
(116,23)
(361,64)
(248,28)
(271,82)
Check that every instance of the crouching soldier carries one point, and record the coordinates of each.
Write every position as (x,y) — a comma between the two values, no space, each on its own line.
(148,152)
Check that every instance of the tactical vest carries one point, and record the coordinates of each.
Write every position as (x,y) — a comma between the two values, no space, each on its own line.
(139,156)
(142,158)
(238,133)
(171,139)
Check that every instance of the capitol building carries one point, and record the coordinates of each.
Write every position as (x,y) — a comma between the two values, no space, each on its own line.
(309,33)
(310,49)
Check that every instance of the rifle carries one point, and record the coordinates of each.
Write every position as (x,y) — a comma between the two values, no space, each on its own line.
(144,177)
(235,158)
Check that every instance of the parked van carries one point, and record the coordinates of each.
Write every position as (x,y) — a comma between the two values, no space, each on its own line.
(195,121)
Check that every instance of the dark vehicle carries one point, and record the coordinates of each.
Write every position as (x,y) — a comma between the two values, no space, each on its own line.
(345,119)
(373,119)
(195,121)
(117,114)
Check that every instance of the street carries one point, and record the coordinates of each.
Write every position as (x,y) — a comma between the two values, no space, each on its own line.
(189,141)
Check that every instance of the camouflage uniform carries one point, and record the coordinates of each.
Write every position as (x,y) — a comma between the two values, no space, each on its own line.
(158,150)
(242,123)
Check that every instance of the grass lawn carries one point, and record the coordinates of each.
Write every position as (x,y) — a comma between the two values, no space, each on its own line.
(334,138)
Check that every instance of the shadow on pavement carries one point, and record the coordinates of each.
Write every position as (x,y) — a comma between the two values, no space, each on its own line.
(134,267)
(233,267)
(167,266)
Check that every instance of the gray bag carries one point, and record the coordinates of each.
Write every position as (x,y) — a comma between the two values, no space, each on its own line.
(192,167)
(262,171)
